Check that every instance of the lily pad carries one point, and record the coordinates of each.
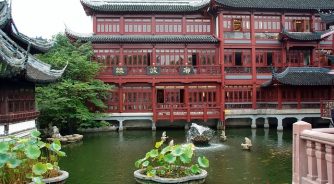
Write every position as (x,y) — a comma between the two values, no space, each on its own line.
(154,153)
(195,169)
(178,151)
(185,159)
(146,163)
(4,147)
(169,158)
(13,163)
(203,162)
(39,168)
(35,133)
(32,151)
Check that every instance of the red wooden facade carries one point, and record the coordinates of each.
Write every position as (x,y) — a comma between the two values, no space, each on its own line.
(189,80)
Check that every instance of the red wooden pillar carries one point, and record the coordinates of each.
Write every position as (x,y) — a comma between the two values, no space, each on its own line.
(279,97)
(284,49)
(184,25)
(154,103)
(153,29)
(299,105)
(186,101)
(154,56)
(253,44)
(94,24)
(121,25)
(185,61)
(222,65)
(121,55)
(120,97)
(312,27)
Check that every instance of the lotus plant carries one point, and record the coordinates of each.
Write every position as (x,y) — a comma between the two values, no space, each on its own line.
(172,161)
(23,160)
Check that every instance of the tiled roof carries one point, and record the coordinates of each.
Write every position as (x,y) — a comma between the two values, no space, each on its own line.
(142,38)
(279,4)
(168,6)
(328,18)
(303,76)
(5,15)
(16,61)
(306,36)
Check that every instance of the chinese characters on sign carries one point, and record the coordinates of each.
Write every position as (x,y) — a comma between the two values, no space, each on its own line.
(153,70)
(120,70)
(186,70)
(326,108)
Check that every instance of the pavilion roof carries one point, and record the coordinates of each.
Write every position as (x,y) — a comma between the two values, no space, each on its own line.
(279,4)
(302,76)
(142,38)
(306,36)
(168,6)
(327,17)
(17,62)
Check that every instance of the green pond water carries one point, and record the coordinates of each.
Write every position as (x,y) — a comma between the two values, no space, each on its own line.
(109,157)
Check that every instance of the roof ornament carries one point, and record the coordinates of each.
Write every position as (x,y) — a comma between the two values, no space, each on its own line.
(27,53)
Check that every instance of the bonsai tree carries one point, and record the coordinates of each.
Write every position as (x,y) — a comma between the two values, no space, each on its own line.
(23,160)
(172,161)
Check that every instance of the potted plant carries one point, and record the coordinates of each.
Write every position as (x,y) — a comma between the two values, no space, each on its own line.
(24,160)
(171,164)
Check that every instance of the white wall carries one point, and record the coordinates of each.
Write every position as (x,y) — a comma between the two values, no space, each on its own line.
(17,127)
(2,130)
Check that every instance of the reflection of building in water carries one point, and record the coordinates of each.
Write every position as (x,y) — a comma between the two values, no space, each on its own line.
(218,60)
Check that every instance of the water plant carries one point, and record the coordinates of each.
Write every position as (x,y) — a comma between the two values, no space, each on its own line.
(23,160)
(172,161)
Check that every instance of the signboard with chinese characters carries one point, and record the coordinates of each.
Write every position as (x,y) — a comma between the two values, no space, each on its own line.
(153,70)
(120,70)
(186,70)
(326,107)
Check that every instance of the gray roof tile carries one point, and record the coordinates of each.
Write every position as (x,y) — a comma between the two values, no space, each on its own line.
(303,76)
(306,36)
(142,38)
(279,4)
(168,6)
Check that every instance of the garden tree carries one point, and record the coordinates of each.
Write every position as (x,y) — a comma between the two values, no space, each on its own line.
(69,103)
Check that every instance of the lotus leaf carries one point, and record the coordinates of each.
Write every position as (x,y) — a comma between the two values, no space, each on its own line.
(32,151)
(203,162)
(39,168)
(4,147)
(169,158)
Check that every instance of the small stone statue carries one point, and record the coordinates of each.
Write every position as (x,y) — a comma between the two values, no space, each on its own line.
(247,145)
(55,132)
(164,137)
(171,143)
(223,136)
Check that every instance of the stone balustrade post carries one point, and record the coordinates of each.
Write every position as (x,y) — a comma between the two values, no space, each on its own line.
(330,163)
(266,123)
(253,123)
(321,163)
(311,161)
(279,123)
(299,154)
(154,128)
(120,128)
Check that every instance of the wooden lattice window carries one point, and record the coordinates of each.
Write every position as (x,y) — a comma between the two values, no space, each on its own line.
(168,25)
(198,25)
(108,25)
(107,57)
(138,25)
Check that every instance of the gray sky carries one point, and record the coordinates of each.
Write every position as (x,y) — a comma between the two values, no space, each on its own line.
(48,17)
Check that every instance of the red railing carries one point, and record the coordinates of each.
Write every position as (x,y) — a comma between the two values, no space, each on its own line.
(187,113)
(14,117)
(238,70)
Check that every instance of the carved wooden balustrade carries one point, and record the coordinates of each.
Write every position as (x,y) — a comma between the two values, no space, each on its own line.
(15,117)
(313,154)
(166,70)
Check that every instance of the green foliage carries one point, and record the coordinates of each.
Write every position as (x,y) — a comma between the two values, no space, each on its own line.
(23,160)
(171,161)
(78,97)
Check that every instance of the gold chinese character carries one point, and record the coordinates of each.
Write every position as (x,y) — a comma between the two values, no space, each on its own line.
(119,71)
(154,70)
(186,70)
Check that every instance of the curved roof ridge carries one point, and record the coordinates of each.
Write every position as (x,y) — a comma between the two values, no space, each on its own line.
(144,5)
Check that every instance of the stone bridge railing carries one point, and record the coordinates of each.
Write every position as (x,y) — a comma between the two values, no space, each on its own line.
(313,154)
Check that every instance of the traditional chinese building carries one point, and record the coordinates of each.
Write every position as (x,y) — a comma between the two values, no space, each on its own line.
(19,72)
(259,62)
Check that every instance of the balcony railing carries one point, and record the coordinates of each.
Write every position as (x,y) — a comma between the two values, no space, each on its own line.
(238,70)
(15,117)
(313,154)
